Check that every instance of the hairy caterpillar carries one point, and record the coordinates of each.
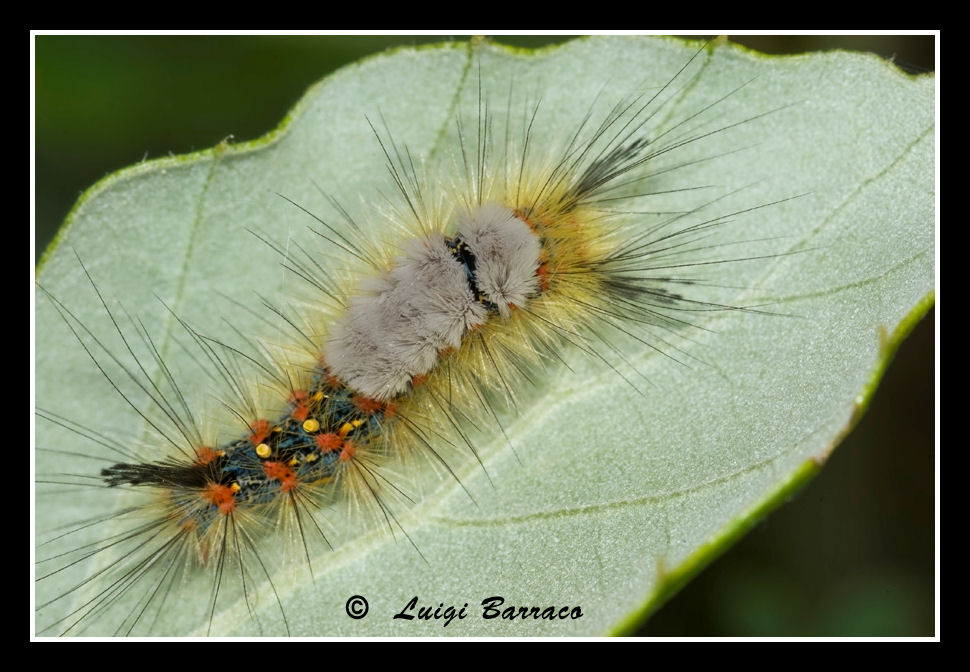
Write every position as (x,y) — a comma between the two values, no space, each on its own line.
(309,198)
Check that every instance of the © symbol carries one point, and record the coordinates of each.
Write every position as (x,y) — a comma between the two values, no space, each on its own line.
(357,607)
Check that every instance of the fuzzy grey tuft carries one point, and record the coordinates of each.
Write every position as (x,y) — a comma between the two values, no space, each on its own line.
(399,322)
(394,329)
(506,255)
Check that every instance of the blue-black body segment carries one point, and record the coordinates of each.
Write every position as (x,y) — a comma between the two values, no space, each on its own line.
(331,404)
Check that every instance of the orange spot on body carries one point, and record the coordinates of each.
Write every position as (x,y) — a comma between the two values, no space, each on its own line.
(278,471)
(367,405)
(301,405)
(543,274)
(347,454)
(221,496)
(520,214)
(390,410)
(328,442)
(260,432)
(419,379)
(205,454)
(330,379)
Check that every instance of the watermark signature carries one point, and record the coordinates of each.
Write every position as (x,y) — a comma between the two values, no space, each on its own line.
(491,608)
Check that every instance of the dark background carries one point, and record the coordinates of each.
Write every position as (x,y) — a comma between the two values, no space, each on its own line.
(853,554)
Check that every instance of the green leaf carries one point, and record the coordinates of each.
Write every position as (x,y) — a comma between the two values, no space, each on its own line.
(612,498)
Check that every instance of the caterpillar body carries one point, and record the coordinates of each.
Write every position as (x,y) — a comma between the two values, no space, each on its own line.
(513,255)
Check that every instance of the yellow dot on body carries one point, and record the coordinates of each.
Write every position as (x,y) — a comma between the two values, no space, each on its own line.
(345,429)
(318,395)
(311,425)
(263,450)
(235,487)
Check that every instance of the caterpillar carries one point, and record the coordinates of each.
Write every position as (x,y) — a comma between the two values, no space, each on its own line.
(133,605)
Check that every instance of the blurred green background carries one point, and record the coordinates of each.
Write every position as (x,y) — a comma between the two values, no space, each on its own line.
(853,554)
